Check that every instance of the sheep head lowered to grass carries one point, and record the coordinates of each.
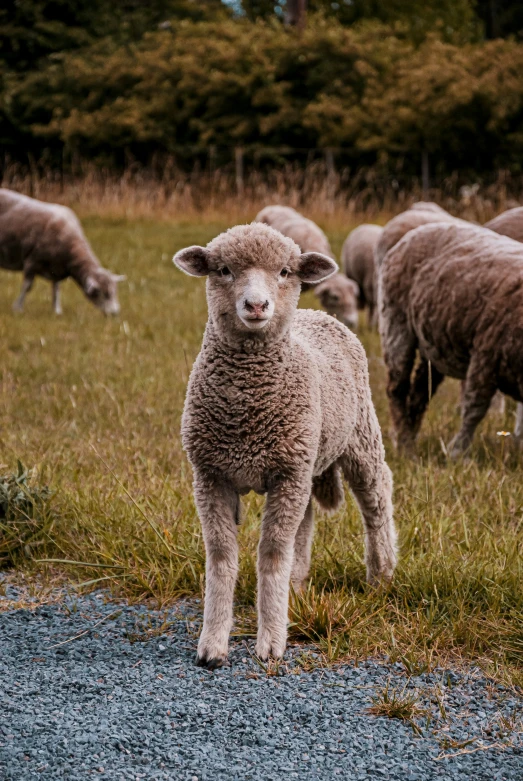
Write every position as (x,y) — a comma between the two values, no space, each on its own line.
(278,402)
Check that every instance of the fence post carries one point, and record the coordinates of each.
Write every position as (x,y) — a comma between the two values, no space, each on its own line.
(425,178)
(238,159)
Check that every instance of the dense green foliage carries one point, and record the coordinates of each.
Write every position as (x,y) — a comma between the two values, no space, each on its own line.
(178,77)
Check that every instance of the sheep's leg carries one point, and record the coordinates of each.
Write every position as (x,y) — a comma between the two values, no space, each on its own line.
(57,306)
(217,506)
(477,391)
(400,361)
(518,430)
(426,381)
(27,284)
(370,481)
(284,512)
(302,548)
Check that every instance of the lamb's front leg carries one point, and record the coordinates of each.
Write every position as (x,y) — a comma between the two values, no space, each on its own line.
(284,511)
(218,507)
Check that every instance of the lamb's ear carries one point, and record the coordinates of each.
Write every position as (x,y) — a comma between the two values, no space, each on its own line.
(118,277)
(193,261)
(314,267)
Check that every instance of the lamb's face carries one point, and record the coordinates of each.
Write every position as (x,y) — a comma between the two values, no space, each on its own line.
(254,275)
(339,297)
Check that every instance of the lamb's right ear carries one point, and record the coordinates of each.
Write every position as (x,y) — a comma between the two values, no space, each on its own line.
(193,261)
(314,267)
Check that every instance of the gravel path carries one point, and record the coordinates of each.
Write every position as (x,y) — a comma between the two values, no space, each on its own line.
(103,706)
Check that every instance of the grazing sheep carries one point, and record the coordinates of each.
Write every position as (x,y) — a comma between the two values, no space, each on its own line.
(357,260)
(454,293)
(396,228)
(278,402)
(337,295)
(46,240)
(304,232)
(509,223)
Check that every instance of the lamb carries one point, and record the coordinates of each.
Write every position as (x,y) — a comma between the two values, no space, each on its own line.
(509,223)
(278,402)
(46,240)
(357,259)
(337,295)
(454,293)
(396,228)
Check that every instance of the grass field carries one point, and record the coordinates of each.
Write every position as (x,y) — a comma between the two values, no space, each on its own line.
(94,405)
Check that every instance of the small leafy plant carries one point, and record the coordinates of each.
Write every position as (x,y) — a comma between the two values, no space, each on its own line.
(24,514)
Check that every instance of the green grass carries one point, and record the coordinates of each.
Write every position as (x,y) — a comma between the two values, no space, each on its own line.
(95,406)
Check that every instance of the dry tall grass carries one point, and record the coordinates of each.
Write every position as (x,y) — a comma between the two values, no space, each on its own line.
(95,404)
(336,199)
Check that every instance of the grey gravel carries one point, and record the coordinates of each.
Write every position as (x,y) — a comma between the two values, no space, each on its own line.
(103,706)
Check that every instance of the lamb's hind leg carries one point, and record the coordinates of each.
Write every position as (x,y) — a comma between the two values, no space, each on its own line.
(27,284)
(302,549)
(217,507)
(370,481)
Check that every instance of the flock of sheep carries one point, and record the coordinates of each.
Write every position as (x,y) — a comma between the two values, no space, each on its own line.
(279,400)
(448,298)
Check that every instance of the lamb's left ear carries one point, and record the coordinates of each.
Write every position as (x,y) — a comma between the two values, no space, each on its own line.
(314,267)
(118,277)
(193,261)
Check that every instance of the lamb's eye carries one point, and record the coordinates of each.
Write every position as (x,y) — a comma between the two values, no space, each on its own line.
(284,272)
(224,272)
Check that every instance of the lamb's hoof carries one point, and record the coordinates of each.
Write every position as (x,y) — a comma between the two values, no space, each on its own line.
(267,648)
(210,663)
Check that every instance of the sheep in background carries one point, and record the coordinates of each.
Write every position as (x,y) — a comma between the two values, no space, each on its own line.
(278,402)
(454,293)
(407,221)
(337,295)
(304,232)
(509,223)
(357,260)
(46,240)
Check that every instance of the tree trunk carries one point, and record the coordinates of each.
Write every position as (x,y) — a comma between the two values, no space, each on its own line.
(295,13)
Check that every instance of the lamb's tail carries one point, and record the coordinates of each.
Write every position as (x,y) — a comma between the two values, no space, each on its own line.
(327,488)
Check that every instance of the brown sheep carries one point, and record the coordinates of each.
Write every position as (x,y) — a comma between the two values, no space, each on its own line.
(407,221)
(453,293)
(357,260)
(46,240)
(509,223)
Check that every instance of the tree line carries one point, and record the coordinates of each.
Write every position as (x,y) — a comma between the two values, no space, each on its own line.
(381,83)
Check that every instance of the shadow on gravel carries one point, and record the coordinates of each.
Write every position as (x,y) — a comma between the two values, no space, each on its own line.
(124,700)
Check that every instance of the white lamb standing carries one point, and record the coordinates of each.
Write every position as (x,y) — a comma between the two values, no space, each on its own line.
(278,402)
(337,295)
(47,240)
